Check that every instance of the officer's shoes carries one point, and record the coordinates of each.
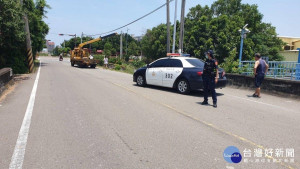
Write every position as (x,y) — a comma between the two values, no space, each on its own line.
(204,103)
(215,105)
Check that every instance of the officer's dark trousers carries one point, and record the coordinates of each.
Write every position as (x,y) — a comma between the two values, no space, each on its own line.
(209,85)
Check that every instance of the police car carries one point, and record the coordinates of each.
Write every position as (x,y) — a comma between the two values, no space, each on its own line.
(181,73)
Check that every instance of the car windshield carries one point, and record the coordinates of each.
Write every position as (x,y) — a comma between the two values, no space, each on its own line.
(196,62)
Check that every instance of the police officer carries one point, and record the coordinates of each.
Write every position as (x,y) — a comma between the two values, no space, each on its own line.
(210,78)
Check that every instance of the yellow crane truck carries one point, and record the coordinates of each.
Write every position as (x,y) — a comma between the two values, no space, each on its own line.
(81,56)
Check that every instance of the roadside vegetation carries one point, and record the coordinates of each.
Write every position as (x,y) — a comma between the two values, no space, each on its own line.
(120,65)
(12,35)
(213,27)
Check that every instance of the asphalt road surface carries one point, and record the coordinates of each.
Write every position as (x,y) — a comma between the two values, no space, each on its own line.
(96,118)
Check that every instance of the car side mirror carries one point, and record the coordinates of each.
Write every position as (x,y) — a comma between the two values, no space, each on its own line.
(148,65)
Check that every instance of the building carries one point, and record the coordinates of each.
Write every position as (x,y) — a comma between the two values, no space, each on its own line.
(292,42)
(290,52)
(138,38)
(50,46)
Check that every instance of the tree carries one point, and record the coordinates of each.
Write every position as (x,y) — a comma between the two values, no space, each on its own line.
(38,28)
(133,49)
(154,42)
(217,28)
(12,39)
(107,49)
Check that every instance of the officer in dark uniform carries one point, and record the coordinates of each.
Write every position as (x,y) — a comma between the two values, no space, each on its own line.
(210,78)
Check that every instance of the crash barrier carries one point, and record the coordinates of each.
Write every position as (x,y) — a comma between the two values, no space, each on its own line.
(6,75)
(270,85)
(277,69)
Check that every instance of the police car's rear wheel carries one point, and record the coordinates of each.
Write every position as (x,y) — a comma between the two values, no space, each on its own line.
(140,80)
(183,86)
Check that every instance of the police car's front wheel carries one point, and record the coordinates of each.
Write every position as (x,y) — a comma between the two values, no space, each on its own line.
(140,80)
(183,86)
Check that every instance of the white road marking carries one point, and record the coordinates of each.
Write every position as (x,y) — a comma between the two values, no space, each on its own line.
(19,152)
(267,104)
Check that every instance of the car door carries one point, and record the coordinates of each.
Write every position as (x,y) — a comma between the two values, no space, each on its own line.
(171,73)
(154,72)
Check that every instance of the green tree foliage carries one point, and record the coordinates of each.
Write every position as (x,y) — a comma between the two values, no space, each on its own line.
(153,43)
(108,49)
(12,39)
(133,49)
(12,36)
(217,28)
(38,28)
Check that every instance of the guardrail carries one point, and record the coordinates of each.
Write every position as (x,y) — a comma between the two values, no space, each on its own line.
(277,69)
(6,75)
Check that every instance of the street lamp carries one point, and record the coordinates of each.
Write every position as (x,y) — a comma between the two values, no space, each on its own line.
(74,35)
(243,31)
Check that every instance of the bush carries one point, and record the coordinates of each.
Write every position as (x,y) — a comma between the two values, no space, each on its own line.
(112,60)
(230,65)
(138,63)
(126,58)
(100,59)
(117,67)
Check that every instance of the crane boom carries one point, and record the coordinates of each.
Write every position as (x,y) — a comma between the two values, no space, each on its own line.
(95,40)
(89,42)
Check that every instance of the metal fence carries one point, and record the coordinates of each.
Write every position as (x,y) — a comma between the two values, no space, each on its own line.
(277,69)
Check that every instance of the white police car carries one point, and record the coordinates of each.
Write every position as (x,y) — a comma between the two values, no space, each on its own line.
(182,73)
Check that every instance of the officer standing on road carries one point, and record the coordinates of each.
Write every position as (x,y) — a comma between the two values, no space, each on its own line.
(210,78)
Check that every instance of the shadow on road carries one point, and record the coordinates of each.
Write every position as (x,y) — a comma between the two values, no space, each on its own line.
(44,64)
(83,67)
(194,93)
(204,105)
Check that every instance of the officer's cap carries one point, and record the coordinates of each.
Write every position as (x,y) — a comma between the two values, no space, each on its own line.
(211,52)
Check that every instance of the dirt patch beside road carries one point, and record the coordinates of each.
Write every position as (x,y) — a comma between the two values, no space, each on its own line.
(10,86)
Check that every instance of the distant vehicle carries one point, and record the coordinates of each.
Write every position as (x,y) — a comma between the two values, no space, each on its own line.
(181,73)
(80,56)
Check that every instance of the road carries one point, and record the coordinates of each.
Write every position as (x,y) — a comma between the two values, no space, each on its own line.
(96,118)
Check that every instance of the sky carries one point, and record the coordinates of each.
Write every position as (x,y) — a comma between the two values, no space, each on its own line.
(99,16)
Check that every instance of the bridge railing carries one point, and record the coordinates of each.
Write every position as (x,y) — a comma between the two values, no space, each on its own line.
(277,69)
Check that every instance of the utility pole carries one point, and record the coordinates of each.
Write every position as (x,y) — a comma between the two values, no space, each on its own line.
(81,37)
(28,42)
(168,26)
(75,40)
(121,45)
(174,31)
(181,36)
(126,40)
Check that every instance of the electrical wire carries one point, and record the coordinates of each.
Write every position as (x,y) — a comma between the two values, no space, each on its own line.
(134,20)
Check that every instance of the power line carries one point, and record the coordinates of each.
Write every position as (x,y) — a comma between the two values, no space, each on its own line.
(134,20)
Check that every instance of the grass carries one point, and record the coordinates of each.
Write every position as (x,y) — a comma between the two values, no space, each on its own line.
(36,65)
(125,68)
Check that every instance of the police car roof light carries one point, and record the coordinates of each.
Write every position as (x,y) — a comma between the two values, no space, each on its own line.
(178,54)
(185,55)
(173,54)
